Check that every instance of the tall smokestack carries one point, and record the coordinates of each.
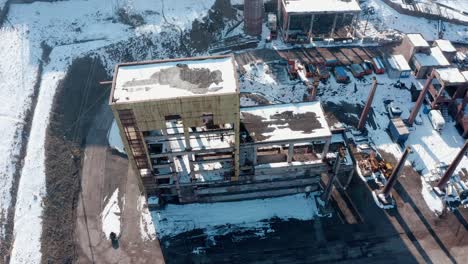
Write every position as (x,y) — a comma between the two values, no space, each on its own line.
(253,17)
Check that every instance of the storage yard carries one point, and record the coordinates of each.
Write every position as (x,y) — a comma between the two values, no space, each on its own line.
(232,131)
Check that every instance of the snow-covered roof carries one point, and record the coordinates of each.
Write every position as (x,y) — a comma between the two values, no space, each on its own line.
(165,79)
(435,58)
(451,75)
(399,62)
(465,74)
(272,123)
(445,45)
(321,6)
(417,40)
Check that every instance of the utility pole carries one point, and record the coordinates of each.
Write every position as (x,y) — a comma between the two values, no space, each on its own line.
(420,100)
(451,169)
(385,194)
(365,111)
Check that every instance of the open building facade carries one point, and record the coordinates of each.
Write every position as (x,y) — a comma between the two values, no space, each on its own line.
(188,140)
(301,20)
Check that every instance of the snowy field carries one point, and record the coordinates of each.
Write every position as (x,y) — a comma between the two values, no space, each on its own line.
(386,17)
(220,218)
(72,29)
(18,71)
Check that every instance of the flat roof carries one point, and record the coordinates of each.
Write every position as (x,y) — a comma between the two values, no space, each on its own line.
(320,6)
(417,40)
(451,75)
(465,74)
(445,45)
(279,122)
(174,78)
(435,58)
(399,62)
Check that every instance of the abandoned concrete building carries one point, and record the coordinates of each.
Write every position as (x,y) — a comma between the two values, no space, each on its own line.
(188,140)
(301,20)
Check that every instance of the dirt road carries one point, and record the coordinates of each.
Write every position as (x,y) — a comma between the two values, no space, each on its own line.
(103,172)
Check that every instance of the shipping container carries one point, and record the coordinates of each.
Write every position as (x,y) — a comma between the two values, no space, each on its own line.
(357,70)
(378,65)
(341,75)
(323,72)
(398,130)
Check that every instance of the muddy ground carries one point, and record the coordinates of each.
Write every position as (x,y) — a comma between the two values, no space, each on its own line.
(78,95)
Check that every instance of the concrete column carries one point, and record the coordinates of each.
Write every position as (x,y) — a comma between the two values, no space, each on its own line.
(333,26)
(325,148)
(290,152)
(254,155)
(311,25)
(365,111)
(420,100)
(191,166)
(187,138)
(451,169)
(396,172)
(353,25)
(328,189)
(287,27)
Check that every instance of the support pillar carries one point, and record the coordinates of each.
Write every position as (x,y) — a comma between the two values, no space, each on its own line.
(325,148)
(333,26)
(420,100)
(439,94)
(287,27)
(254,159)
(187,138)
(312,18)
(451,169)
(328,189)
(354,21)
(290,152)
(385,194)
(365,111)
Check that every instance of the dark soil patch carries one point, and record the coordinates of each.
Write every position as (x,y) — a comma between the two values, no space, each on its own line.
(75,103)
(205,31)
(133,20)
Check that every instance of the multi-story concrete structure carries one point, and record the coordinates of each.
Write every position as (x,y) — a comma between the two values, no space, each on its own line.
(300,20)
(189,141)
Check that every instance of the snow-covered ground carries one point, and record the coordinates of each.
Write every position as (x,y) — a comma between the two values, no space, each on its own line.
(386,17)
(220,218)
(18,71)
(110,216)
(147,230)
(429,146)
(72,29)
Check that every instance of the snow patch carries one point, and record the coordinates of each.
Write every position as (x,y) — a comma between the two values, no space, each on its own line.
(221,218)
(433,201)
(110,216)
(147,230)
(114,139)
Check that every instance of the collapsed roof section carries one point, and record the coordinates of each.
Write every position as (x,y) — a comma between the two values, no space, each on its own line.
(274,123)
